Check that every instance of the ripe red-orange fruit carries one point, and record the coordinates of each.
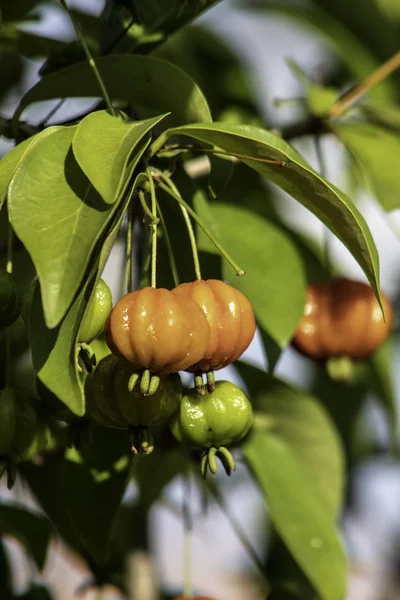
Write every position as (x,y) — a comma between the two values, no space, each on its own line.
(342,318)
(157,330)
(230,317)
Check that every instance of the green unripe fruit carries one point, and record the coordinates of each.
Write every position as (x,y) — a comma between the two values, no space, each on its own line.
(8,420)
(99,394)
(220,418)
(96,314)
(140,410)
(9,302)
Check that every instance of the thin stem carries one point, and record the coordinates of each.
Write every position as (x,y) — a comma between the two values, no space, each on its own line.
(10,238)
(188,223)
(326,233)
(268,161)
(187,541)
(7,333)
(171,256)
(129,249)
(237,528)
(90,58)
(146,209)
(153,229)
(221,250)
(343,103)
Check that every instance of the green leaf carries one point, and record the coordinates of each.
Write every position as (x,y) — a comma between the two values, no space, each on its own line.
(31,529)
(153,22)
(376,151)
(54,350)
(319,98)
(59,217)
(299,180)
(298,421)
(299,514)
(82,491)
(16,11)
(381,368)
(152,85)
(276,288)
(6,587)
(9,164)
(102,146)
(386,115)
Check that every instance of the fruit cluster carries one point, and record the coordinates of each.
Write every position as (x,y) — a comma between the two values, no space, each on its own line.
(154,333)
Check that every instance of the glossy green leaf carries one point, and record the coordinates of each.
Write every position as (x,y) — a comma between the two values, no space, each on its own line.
(54,350)
(82,491)
(102,146)
(299,180)
(152,85)
(303,426)
(299,513)
(59,217)
(276,288)
(376,150)
(31,529)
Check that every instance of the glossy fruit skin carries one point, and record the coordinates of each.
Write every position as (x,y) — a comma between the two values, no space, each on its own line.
(230,317)
(141,411)
(110,403)
(9,302)
(213,420)
(100,396)
(158,330)
(342,318)
(96,314)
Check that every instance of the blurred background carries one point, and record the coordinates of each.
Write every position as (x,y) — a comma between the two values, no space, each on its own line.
(240,53)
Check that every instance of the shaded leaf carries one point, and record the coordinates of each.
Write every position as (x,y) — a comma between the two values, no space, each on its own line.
(298,421)
(299,513)
(154,86)
(54,350)
(31,529)
(275,287)
(82,491)
(298,179)
(59,217)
